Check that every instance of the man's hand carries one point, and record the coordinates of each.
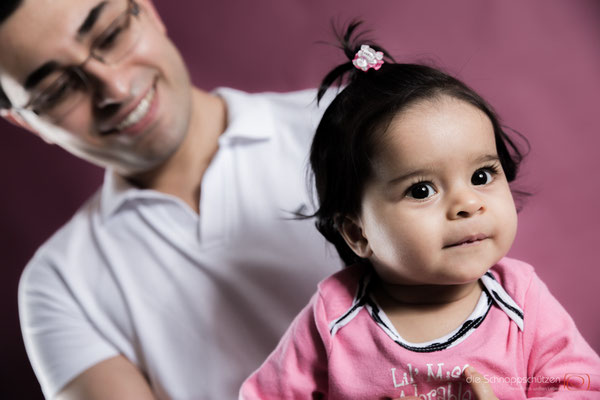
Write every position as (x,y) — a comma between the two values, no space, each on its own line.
(479,385)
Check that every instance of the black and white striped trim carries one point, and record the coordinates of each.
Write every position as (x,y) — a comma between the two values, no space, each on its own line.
(357,305)
(502,299)
(452,339)
(493,293)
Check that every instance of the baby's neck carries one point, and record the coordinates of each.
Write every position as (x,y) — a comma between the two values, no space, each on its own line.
(427,295)
(425,313)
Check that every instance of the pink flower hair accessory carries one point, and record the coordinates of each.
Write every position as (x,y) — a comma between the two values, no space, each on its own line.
(367,58)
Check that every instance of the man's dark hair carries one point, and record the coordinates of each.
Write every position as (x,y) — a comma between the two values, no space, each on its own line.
(7,7)
(355,122)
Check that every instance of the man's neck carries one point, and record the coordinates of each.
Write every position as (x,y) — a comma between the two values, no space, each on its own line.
(181,175)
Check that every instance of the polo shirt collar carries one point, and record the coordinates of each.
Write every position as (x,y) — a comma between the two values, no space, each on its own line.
(249,120)
(115,192)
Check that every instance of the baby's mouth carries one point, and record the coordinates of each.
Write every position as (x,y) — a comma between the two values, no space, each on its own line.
(467,240)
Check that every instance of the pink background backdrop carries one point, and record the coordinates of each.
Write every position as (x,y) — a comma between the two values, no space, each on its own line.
(537,62)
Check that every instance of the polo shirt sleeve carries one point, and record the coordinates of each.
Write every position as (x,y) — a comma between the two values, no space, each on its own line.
(561,362)
(297,368)
(60,340)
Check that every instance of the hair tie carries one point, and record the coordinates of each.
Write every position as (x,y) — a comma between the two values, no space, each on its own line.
(367,58)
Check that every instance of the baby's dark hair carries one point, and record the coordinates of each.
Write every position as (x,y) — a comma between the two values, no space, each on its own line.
(359,116)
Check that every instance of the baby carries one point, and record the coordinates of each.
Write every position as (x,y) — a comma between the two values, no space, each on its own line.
(412,172)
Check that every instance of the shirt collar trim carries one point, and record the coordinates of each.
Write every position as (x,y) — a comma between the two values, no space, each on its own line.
(493,293)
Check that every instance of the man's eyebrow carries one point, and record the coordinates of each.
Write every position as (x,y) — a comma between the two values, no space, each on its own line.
(39,74)
(91,19)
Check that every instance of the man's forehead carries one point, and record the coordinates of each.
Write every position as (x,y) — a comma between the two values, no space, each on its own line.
(53,11)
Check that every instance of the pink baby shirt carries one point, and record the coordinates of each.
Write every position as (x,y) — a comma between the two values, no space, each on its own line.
(342,346)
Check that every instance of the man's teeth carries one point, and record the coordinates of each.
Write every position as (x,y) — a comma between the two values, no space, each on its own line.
(139,112)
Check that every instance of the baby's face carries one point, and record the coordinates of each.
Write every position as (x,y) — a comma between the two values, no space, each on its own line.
(438,209)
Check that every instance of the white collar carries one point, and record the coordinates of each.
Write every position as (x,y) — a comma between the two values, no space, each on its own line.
(248,117)
(249,120)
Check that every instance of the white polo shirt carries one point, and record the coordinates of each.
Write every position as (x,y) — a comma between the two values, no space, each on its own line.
(197,302)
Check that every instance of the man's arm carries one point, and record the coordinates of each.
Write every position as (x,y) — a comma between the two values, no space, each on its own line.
(115,378)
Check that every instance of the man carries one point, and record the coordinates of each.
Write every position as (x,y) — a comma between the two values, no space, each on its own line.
(178,277)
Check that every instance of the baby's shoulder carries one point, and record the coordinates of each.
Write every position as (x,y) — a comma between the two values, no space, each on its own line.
(515,276)
(338,292)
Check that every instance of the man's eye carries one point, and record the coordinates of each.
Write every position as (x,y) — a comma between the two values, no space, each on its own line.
(481,177)
(420,191)
(58,93)
(53,97)
(109,40)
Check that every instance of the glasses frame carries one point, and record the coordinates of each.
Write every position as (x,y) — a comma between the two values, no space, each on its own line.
(133,10)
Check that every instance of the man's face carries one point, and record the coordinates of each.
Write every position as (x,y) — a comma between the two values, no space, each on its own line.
(133,112)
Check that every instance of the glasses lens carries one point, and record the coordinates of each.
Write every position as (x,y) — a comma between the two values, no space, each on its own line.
(60,97)
(119,39)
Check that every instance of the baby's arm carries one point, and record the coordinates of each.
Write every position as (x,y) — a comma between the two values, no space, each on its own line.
(561,362)
(297,368)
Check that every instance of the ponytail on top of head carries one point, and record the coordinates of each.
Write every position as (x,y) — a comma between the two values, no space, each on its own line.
(354,125)
(350,44)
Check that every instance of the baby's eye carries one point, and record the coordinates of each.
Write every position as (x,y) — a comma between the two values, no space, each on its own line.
(481,177)
(421,191)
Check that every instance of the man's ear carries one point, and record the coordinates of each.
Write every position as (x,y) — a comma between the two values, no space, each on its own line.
(149,8)
(16,119)
(351,230)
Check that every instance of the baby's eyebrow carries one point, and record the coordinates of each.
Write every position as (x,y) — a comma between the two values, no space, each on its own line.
(410,174)
(487,158)
(429,170)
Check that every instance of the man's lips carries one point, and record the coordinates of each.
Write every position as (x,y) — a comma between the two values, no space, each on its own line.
(468,240)
(132,114)
(138,112)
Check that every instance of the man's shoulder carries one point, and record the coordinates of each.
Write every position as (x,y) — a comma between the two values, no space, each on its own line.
(292,103)
(291,98)
(65,241)
(290,118)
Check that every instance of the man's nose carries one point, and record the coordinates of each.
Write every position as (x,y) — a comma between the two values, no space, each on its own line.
(111,84)
(465,202)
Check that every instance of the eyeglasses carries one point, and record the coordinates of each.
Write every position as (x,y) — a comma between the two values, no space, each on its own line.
(57,99)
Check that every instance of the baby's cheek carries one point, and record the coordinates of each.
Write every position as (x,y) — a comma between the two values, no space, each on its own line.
(508,225)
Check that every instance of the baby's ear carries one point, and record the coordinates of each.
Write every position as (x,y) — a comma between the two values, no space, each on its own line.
(351,230)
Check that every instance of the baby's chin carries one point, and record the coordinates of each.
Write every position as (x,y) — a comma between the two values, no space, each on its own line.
(463,274)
